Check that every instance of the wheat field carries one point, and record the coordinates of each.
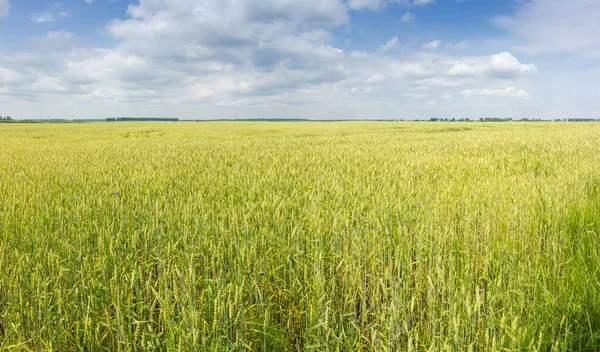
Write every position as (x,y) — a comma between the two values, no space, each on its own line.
(304,236)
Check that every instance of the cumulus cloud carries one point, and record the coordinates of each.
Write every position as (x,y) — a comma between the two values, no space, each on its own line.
(425,71)
(256,39)
(4,8)
(508,92)
(503,65)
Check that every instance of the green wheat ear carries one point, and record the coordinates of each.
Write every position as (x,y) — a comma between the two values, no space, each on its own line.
(351,236)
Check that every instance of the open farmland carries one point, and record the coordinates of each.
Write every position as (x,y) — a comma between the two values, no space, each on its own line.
(239,236)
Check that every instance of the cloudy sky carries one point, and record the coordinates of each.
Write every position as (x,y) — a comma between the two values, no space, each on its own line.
(356,59)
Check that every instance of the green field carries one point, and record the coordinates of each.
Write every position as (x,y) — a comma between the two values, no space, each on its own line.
(354,236)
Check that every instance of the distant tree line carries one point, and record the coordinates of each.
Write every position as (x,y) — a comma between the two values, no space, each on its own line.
(436,119)
(266,120)
(50,121)
(118,119)
(495,119)
(583,120)
(483,119)
(509,119)
(5,118)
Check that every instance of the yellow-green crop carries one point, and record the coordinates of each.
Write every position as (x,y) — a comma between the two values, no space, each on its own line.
(353,236)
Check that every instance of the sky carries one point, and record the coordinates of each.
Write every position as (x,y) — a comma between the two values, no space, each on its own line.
(314,59)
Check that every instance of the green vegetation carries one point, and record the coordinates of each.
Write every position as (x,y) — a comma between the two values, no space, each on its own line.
(241,236)
(140,119)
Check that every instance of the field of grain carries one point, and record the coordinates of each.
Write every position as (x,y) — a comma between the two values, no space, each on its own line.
(355,236)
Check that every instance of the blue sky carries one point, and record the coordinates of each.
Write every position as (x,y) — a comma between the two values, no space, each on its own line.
(364,59)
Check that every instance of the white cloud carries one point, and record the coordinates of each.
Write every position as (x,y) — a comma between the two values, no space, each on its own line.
(4,8)
(408,17)
(222,15)
(502,65)
(392,43)
(508,92)
(261,51)
(545,26)
(423,2)
(42,17)
(433,45)
(365,4)
(372,5)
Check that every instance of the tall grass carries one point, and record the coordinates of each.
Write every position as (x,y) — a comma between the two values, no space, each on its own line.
(300,237)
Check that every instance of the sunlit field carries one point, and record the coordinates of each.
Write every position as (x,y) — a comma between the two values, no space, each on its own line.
(353,236)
